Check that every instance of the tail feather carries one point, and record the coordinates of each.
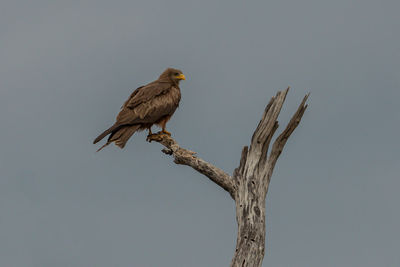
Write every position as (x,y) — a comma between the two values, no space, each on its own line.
(106,132)
(120,136)
(103,146)
(123,135)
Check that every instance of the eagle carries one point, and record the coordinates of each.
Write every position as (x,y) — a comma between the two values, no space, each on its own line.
(150,104)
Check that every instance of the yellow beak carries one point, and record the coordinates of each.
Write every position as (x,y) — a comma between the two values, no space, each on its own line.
(181,77)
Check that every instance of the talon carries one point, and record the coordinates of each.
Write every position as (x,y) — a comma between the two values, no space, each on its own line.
(150,137)
(154,137)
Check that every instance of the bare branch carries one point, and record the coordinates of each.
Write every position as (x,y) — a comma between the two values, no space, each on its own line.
(262,136)
(239,170)
(252,178)
(284,136)
(186,157)
(249,184)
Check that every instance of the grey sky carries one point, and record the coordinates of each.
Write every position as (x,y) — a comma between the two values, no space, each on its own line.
(67,66)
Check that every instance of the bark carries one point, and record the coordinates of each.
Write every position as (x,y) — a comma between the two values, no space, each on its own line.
(248,186)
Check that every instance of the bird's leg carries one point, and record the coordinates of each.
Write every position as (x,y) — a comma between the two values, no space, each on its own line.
(150,135)
(164,131)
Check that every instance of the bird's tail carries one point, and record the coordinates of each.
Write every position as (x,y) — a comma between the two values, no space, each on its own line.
(106,132)
(121,135)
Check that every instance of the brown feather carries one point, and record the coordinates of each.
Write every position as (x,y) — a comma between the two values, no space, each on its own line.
(123,135)
(151,104)
(106,132)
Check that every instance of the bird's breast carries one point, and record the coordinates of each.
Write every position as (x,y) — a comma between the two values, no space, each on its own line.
(175,95)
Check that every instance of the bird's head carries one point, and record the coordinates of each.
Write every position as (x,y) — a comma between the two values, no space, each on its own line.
(172,75)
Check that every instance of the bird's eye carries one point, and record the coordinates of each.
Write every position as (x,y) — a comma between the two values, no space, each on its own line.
(176,74)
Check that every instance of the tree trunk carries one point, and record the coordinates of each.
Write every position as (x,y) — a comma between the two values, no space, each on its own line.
(249,184)
(250,215)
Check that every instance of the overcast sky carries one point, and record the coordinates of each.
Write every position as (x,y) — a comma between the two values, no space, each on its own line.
(67,66)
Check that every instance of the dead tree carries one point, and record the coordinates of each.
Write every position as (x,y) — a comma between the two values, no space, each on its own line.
(248,186)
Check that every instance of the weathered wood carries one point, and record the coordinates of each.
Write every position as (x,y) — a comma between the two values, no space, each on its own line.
(252,178)
(186,157)
(249,184)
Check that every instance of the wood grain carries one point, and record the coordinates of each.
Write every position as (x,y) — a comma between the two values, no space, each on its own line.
(249,183)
